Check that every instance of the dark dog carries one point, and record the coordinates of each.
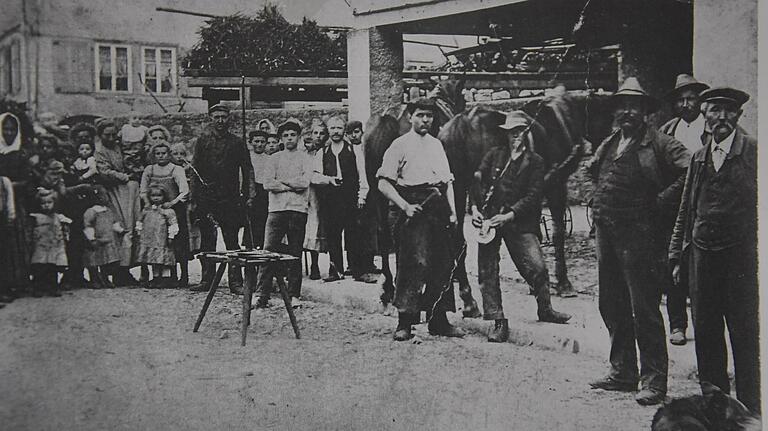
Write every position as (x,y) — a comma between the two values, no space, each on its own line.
(713,411)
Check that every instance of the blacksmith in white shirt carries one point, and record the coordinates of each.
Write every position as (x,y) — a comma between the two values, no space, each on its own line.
(416,177)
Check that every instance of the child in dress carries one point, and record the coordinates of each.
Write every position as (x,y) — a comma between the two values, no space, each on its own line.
(102,231)
(49,236)
(173,180)
(85,164)
(157,227)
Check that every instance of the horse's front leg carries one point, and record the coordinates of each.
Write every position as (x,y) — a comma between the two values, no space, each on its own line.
(557,205)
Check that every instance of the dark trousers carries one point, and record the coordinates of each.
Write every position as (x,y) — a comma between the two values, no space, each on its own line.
(338,219)
(676,304)
(361,240)
(257,222)
(525,250)
(424,256)
(630,294)
(279,225)
(208,243)
(75,249)
(724,290)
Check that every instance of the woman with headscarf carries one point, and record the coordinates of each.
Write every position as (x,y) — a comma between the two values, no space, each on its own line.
(14,169)
(123,193)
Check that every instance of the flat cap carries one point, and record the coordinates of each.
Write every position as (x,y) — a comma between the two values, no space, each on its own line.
(290,124)
(725,94)
(218,107)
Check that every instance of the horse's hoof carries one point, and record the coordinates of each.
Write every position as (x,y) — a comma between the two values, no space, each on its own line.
(566,290)
(388,310)
(470,310)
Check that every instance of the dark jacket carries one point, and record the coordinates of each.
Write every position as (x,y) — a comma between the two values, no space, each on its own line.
(519,190)
(222,160)
(663,160)
(745,147)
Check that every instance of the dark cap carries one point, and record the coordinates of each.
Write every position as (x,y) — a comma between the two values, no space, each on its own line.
(218,107)
(422,103)
(289,125)
(725,94)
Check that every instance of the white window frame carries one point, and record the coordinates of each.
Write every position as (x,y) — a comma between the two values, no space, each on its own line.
(174,82)
(113,67)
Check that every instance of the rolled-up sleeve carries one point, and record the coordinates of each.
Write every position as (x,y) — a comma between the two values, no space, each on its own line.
(392,164)
(442,167)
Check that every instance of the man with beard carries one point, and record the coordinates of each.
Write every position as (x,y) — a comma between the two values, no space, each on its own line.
(221,159)
(716,234)
(340,168)
(638,171)
(417,180)
(688,128)
(361,249)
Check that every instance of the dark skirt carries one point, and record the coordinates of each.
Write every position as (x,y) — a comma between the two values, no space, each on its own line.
(14,254)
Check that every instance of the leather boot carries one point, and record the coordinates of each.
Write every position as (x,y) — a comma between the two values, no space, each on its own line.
(500,332)
(545,311)
(403,330)
(438,325)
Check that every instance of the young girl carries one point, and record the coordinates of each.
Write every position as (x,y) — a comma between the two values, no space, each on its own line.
(173,180)
(85,164)
(49,236)
(157,227)
(102,230)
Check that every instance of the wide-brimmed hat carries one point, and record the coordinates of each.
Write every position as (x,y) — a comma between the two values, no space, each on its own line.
(631,88)
(686,82)
(725,94)
(515,119)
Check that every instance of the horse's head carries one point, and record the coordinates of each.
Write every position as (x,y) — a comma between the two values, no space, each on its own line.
(380,131)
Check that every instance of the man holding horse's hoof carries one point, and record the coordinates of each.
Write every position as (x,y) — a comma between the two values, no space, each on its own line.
(507,197)
(639,172)
(417,180)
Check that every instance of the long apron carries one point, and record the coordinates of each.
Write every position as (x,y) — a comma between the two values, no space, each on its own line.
(424,252)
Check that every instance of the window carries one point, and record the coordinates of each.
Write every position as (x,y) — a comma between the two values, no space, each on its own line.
(113,68)
(10,68)
(159,70)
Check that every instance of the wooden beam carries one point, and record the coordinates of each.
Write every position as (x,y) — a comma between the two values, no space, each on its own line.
(273,81)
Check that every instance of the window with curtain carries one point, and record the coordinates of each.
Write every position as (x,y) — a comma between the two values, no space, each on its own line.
(159,70)
(113,68)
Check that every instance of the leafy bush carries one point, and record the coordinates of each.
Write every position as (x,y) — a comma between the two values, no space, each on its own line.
(264,45)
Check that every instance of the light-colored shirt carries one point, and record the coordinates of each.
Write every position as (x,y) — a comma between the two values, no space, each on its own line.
(689,134)
(414,160)
(721,150)
(259,162)
(286,177)
(319,178)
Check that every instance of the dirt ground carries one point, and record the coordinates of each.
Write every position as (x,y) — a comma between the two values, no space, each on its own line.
(127,359)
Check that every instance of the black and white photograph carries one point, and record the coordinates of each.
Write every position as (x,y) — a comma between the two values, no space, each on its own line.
(381,215)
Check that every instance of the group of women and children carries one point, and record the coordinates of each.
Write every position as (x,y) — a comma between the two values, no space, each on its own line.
(106,199)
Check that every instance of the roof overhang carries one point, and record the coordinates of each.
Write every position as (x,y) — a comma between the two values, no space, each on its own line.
(374,13)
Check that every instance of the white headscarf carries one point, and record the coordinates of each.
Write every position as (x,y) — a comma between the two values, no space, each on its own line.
(5,147)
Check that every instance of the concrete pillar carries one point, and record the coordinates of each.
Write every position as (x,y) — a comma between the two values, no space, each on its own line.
(725,49)
(374,66)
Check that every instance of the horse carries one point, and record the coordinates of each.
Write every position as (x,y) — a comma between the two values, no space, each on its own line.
(556,133)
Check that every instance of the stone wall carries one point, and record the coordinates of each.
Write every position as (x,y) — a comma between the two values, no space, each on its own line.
(185,127)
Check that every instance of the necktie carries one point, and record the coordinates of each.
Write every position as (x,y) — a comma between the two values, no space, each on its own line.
(718,157)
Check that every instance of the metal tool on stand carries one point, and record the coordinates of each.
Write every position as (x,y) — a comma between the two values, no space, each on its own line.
(247,259)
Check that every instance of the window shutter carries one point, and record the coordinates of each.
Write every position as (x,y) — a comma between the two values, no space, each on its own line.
(73,66)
